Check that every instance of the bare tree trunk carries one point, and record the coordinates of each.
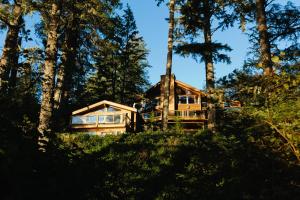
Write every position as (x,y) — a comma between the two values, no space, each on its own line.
(14,69)
(122,92)
(114,80)
(165,112)
(265,49)
(209,66)
(48,80)
(65,72)
(59,89)
(10,55)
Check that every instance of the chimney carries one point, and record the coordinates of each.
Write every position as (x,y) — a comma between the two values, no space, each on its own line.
(172,92)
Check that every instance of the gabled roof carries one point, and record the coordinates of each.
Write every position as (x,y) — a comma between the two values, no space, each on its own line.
(183,85)
(189,87)
(104,102)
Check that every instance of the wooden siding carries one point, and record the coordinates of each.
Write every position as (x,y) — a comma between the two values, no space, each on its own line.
(189,107)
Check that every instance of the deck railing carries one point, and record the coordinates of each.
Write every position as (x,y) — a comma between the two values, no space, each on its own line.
(176,114)
(99,119)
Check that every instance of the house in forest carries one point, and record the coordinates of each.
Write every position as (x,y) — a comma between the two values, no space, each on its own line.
(187,104)
(104,117)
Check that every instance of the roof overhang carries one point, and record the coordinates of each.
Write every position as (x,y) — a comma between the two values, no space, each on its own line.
(104,102)
(189,87)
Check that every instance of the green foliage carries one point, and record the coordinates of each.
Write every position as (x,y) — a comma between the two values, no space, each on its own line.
(272,101)
(178,127)
(201,50)
(240,163)
(193,22)
(121,64)
(254,154)
(283,27)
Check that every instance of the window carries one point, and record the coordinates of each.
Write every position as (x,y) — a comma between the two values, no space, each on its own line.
(182,100)
(76,120)
(117,119)
(91,119)
(110,119)
(101,119)
(102,110)
(186,99)
(191,100)
(84,119)
(108,109)
(112,109)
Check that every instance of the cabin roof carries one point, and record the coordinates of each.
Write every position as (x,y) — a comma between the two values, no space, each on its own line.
(104,102)
(183,85)
(189,87)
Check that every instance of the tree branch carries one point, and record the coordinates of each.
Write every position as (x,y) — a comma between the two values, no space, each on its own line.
(292,146)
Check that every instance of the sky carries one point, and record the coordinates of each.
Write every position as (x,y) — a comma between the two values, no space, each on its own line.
(153,27)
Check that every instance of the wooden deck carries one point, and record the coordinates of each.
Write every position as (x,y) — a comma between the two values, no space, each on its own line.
(184,116)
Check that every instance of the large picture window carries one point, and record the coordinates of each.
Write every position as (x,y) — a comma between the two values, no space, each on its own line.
(84,119)
(110,119)
(187,99)
(102,119)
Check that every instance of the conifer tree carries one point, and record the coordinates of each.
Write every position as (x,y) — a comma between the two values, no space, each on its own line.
(196,19)
(11,15)
(121,63)
(165,111)
(274,23)
(133,57)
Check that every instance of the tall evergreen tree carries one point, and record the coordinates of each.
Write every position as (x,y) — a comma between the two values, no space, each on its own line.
(133,57)
(121,62)
(165,111)
(197,18)
(80,25)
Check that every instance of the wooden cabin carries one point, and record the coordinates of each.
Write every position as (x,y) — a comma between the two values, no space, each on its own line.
(187,104)
(104,117)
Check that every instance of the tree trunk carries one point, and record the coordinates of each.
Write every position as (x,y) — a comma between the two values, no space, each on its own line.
(65,73)
(14,69)
(64,76)
(265,49)
(114,80)
(123,86)
(209,66)
(10,55)
(168,67)
(46,111)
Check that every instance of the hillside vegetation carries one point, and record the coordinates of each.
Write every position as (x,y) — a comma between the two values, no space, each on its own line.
(237,163)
